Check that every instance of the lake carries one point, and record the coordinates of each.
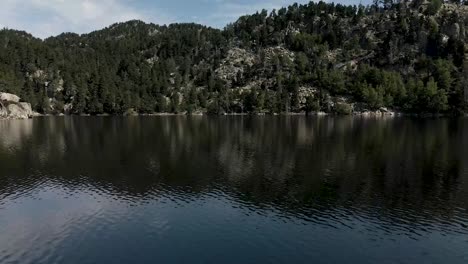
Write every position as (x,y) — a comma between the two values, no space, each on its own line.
(233,190)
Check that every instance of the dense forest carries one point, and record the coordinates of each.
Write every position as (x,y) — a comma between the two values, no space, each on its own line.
(407,56)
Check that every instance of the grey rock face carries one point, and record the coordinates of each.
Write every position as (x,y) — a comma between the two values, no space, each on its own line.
(3,111)
(9,97)
(27,108)
(11,108)
(130,112)
(454,31)
(16,111)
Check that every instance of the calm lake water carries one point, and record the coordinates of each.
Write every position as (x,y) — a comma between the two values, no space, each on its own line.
(233,190)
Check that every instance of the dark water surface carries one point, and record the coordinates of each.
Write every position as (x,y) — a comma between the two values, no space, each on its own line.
(233,190)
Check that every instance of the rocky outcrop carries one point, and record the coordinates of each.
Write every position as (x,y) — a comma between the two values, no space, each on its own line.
(239,61)
(235,64)
(380,112)
(9,97)
(130,112)
(12,108)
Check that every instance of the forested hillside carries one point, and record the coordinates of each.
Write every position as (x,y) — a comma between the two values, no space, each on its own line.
(408,56)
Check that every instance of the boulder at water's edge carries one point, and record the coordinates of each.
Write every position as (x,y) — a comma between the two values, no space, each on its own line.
(12,108)
(9,97)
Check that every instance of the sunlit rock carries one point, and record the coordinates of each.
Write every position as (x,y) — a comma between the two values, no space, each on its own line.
(9,97)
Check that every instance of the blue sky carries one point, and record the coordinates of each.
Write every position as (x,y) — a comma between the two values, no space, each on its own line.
(44,18)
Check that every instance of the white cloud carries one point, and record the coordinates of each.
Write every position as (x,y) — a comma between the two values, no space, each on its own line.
(44,18)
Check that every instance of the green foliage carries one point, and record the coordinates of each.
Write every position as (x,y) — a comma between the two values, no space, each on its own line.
(251,103)
(334,81)
(384,55)
(433,7)
(374,97)
(426,98)
(443,75)
(9,82)
(343,109)
(436,99)
(312,105)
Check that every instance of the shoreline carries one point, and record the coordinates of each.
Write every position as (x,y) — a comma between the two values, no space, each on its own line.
(312,114)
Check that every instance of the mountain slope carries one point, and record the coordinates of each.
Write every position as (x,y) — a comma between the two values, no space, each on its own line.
(408,56)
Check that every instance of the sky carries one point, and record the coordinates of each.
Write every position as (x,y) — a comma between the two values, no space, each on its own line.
(45,18)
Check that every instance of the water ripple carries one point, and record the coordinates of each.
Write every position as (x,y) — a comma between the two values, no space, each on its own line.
(77,190)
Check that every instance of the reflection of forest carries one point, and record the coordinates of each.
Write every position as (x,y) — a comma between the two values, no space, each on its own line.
(290,162)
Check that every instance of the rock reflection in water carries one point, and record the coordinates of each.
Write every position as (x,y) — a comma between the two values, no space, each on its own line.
(400,177)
